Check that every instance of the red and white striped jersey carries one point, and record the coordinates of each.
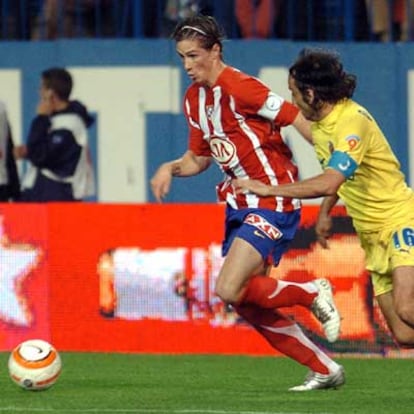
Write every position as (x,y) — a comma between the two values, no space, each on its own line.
(237,122)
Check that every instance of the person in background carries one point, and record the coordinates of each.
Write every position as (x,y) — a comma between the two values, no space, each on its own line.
(391,21)
(77,18)
(235,120)
(359,167)
(256,18)
(9,177)
(57,145)
(175,11)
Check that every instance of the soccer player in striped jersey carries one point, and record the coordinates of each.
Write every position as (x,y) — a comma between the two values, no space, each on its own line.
(361,169)
(235,120)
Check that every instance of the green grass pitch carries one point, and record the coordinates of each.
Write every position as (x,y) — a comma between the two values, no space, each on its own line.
(201,384)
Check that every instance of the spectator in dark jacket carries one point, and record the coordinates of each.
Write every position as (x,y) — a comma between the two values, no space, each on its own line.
(57,146)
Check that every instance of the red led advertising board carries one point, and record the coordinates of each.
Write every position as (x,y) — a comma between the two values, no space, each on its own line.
(140,278)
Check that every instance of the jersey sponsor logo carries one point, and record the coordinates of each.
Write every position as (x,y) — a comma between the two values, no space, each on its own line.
(222,150)
(352,141)
(264,226)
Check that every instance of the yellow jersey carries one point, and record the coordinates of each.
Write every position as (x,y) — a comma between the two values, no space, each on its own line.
(376,195)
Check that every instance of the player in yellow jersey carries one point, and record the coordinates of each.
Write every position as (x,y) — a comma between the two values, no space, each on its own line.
(359,167)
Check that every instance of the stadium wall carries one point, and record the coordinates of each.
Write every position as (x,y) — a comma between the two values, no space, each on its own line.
(139,278)
(135,89)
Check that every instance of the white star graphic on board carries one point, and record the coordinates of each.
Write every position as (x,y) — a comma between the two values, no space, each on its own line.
(16,261)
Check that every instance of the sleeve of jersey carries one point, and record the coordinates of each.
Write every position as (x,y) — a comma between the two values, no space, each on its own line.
(351,144)
(287,114)
(260,100)
(196,143)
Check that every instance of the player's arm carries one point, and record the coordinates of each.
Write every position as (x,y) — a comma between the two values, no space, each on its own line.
(188,165)
(303,126)
(324,184)
(323,226)
(340,167)
(258,99)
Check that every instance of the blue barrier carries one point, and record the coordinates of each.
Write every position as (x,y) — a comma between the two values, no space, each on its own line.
(135,88)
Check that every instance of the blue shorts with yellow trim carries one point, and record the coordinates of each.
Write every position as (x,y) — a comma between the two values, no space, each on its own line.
(269,232)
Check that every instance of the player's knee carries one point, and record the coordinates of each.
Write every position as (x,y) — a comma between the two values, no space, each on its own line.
(404,339)
(227,293)
(405,312)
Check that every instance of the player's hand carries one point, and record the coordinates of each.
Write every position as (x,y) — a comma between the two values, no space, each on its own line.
(251,186)
(323,229)
(161,182)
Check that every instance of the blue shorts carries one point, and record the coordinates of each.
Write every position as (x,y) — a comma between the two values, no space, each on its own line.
(269,232)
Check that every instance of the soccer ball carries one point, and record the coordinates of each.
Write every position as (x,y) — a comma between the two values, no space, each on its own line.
(34,365)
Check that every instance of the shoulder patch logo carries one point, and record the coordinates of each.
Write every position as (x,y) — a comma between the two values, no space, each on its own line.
(353,141)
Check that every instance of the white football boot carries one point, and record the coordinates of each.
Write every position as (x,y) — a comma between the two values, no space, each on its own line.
(324,309)
(315,381)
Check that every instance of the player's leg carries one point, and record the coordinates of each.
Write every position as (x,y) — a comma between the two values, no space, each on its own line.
(403,293)
(250,249)
(400,254)
(252,241)
(240,282)
(392,292)
(246,257)
(285,336)
(389,255)
(241,261)
(402,332)
(402,264)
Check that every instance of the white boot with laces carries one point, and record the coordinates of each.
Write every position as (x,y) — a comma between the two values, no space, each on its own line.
(324,309)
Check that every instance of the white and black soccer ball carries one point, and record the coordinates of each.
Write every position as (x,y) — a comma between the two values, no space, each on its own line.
(34,365)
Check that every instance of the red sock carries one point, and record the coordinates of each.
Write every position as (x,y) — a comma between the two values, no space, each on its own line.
(285,336)
(268,292)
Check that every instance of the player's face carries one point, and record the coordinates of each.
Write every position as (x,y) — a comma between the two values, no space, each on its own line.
(304,103)
(197,61)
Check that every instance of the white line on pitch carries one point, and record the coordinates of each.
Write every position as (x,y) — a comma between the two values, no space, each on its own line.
(137,411)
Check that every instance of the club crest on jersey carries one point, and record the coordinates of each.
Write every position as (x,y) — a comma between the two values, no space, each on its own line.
(222,150)
(352,141)
(209,111)
(262,224)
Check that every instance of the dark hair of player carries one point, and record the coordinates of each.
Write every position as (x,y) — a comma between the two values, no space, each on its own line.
(322,71)
(203,28)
